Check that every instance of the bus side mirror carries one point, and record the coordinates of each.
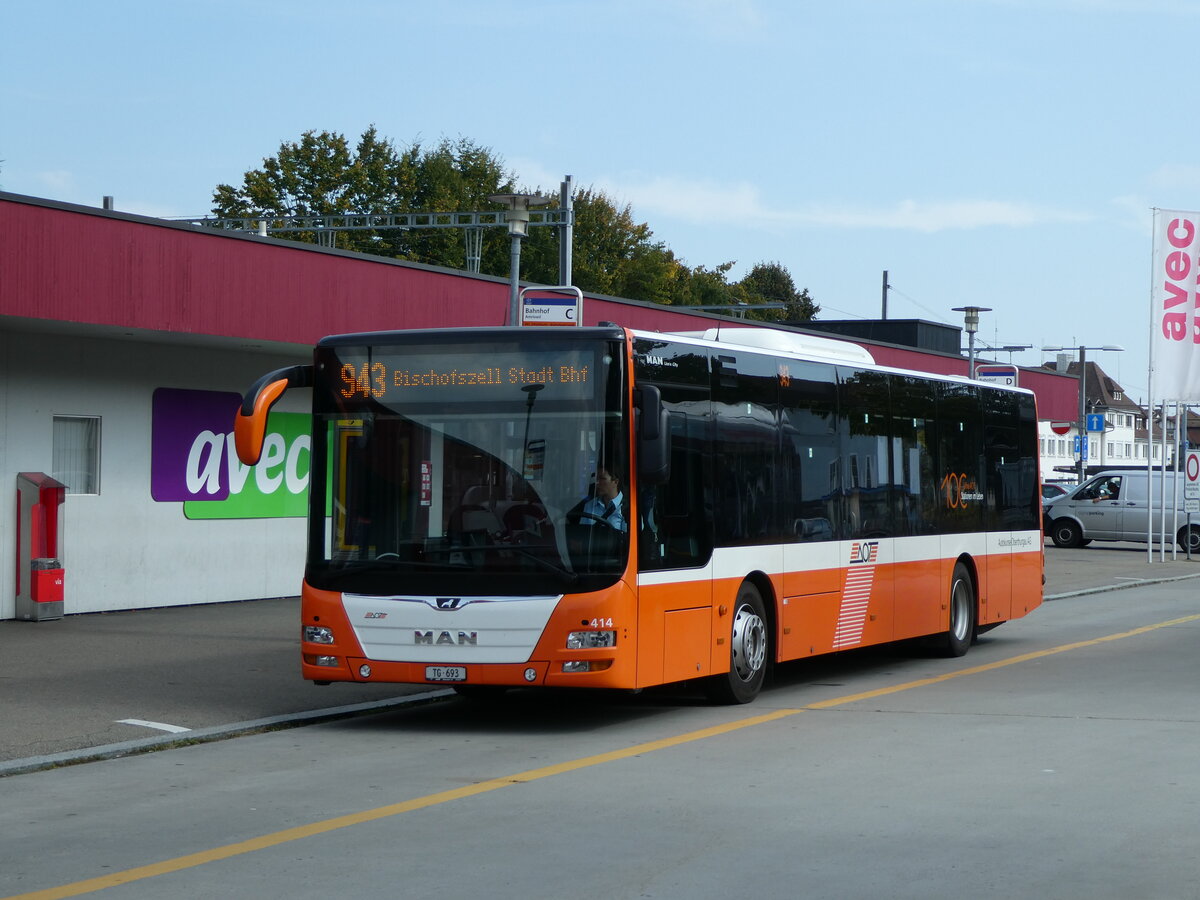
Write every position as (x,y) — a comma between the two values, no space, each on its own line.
(653,436)
(250,424)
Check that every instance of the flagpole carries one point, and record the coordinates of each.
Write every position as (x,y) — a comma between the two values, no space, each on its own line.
(1150,401)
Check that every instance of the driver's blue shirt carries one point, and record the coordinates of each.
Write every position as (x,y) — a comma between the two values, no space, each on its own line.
(609,511)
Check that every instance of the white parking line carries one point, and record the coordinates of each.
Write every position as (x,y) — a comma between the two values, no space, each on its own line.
(173,729)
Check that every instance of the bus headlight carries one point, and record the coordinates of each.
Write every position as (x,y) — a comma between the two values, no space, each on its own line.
(318,634)
(584,640)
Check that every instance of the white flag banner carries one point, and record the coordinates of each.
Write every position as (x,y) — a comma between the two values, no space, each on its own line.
(1175,338)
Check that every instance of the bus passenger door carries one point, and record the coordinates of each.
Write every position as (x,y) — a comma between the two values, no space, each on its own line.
(674,522)
(809,496)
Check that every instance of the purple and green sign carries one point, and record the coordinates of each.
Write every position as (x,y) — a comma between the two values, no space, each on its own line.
(193,460)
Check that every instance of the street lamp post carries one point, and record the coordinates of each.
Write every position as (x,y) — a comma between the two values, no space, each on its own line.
(1081,466)
(518,227)
(971,325)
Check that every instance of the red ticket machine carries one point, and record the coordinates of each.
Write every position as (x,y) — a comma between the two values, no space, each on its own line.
(39,552)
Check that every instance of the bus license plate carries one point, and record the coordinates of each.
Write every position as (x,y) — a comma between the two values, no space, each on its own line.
(445,673)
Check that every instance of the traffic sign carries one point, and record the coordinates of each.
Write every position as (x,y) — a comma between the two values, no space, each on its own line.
(1005,375)
(1095,422)
(1191,484)
(1061,427)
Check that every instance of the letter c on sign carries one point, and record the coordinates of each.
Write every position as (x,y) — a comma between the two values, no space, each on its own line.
(571,314)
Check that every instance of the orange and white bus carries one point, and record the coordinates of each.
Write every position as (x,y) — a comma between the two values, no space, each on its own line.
(769,496)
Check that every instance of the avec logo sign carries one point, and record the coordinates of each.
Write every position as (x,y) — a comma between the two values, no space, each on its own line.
(193,460)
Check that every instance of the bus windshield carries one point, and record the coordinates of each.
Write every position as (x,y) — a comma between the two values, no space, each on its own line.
(470,468)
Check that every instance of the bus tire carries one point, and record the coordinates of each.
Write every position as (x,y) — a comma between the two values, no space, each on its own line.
(749,642)
(956,640)
(1065,533)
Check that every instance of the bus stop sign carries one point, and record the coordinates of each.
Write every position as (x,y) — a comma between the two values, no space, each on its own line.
(552,306)
(1005,375)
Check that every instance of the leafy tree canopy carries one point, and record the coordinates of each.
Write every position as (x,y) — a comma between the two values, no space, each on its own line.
(772,283)
(612,253)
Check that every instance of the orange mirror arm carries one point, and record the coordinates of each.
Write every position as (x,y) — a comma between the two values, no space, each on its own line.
(250,425)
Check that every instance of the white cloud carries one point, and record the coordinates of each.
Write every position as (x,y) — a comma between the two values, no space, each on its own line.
(726,19)
(1175,176)
(742,203)
(56,180)
(954,215)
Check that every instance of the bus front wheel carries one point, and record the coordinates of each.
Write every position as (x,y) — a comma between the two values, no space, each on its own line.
(748,645)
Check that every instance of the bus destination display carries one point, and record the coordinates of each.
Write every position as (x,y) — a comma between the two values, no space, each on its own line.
(424,378)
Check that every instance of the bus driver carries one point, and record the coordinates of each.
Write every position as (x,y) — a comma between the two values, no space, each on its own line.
(606,504)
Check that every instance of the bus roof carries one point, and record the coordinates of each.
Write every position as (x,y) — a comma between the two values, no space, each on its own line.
(810,347)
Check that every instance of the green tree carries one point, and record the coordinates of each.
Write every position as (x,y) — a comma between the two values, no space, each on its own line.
(320,174)
(612,253)
(772,283)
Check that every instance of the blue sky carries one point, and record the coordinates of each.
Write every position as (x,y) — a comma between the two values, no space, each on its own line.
(997,153)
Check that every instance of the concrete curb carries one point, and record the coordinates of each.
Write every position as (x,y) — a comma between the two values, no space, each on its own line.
(1104,588)
(214,733)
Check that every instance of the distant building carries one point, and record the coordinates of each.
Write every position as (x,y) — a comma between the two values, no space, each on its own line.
(1124,440)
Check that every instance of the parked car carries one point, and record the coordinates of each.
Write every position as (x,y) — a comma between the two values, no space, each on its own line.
(1051,491)
(1115,506)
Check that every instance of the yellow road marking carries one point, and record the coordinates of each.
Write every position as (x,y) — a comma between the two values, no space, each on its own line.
(179,863)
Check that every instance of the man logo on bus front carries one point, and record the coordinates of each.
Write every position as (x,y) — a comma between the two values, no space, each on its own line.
(450,603)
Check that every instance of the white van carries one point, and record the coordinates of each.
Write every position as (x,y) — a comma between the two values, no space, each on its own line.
(1114,506)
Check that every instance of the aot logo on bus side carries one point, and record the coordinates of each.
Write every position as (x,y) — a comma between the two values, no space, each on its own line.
(864,552)
(193,460)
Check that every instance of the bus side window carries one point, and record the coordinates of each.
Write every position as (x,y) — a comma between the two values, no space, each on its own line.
(865,438)
(914,477)
(675,531)
(810,487)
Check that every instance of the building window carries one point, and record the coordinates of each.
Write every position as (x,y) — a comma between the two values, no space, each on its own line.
(75,453)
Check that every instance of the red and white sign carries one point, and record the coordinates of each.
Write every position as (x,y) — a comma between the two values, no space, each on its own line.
(1175,342)
(1191,484)
(1061,427)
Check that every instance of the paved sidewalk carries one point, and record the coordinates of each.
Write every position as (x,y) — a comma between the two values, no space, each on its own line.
(108,684)
(1109,566)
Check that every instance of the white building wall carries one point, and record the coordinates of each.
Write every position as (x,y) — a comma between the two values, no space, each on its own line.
(120,548)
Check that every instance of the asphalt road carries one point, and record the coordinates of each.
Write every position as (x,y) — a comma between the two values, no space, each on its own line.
(1057,759)
(110,683)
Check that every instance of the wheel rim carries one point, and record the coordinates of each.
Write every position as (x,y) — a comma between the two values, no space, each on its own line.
(960,609)
(1066,534)
(749,642)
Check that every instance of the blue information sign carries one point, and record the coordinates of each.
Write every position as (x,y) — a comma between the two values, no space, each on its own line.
(1095,422)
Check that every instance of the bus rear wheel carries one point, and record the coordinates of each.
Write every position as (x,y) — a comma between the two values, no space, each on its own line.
(748,644)
(956,640)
